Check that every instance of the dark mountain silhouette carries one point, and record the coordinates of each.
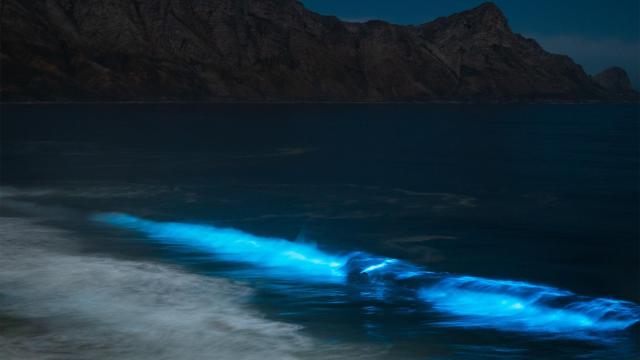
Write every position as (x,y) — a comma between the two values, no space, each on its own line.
(263,50)
(616,81)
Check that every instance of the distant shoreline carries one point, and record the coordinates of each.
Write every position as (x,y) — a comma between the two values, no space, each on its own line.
(274,51)
(332,102)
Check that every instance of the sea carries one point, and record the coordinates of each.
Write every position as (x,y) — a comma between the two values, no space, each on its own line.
(319,231)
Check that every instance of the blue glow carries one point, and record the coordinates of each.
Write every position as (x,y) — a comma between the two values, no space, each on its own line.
(519,306)
(378,266)
(467,301)
(364,267)
(282,256)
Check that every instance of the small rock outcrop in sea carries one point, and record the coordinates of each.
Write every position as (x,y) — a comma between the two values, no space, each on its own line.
(263,50)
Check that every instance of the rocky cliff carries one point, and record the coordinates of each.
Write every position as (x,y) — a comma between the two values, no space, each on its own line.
(262,50)
(616,81)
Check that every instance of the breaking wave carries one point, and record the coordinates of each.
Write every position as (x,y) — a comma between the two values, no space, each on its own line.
(519,306)
(465,301)
(277,255)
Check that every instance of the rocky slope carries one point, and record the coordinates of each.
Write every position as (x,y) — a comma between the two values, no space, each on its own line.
(266,50)
(616,81)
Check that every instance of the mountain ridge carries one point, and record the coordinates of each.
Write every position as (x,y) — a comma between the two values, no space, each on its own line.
(272,50)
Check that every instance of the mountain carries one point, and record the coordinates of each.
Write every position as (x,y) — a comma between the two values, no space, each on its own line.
(616,81)
(270,50)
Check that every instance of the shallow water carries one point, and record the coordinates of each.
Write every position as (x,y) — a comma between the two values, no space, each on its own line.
(519,222)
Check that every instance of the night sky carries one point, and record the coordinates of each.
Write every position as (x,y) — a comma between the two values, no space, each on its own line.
(595,33)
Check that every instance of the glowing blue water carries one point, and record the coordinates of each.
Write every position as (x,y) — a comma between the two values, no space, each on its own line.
(518,306)
(279,255)
(467,301)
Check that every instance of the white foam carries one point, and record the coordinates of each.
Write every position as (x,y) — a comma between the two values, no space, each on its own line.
(93,308)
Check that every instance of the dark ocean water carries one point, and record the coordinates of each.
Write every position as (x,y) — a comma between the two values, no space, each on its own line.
(542,194)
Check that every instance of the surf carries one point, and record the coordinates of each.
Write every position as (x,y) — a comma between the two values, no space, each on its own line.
(464,301)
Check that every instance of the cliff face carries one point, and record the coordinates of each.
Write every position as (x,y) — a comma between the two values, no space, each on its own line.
(269,50)
(616,81)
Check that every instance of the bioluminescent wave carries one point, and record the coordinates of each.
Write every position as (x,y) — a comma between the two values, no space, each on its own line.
(466,301)
(519,306)
(297,259)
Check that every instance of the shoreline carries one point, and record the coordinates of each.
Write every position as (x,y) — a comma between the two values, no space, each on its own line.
(328,102)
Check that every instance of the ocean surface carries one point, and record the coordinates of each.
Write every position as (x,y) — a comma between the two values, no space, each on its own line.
(326,231)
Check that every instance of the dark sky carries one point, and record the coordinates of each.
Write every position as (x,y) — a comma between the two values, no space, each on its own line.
(595,33)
